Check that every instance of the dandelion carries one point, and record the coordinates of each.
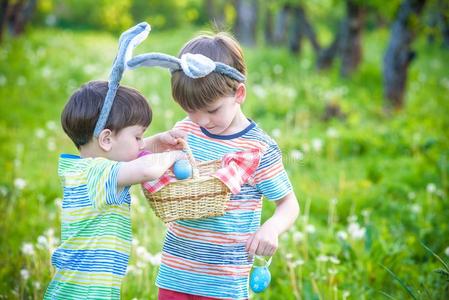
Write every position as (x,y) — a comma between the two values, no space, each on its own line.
(431,188)
(298,262)
(154,99)
(276,133)
(317,144)
(342,235)
(25,274)
(39,133)
(2,80)
(51,125)
(51,145)
(296,154)
(310,229)
(289,256)
(37,285)
(411,195)
(334,260)
(352,219)
(20,183)
(42,241)
(278,69)
(290,92)
(168,114)
(135,242)
(3,191)
(298,236)
(346,294)
(356,231)
(89,69)
(416,208)
(27,249)
(141,251)
(322,258)
(156,259)
(332,133)
(332,271)
(259,91)
(58,202)
(130,269)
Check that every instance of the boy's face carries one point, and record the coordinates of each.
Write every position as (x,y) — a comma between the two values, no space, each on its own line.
(218,116)
(127,143)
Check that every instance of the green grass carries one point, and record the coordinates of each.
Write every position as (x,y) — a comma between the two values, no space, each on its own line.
(373,187)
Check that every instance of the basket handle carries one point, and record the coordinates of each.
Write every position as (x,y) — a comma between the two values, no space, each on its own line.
(186,148)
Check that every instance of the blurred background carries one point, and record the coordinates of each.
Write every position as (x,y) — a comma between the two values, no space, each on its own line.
(355,93)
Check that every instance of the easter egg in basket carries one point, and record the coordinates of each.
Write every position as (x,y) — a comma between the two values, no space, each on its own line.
(182,169)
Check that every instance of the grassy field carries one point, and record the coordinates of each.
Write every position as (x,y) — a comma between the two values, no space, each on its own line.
(373,187)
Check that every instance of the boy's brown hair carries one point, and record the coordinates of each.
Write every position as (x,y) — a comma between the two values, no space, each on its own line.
(194,94)
(83,109)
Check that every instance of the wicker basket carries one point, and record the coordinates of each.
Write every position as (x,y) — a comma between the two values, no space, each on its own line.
(201,196)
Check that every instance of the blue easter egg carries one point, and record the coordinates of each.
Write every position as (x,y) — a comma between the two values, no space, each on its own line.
(260,279)
(182,169)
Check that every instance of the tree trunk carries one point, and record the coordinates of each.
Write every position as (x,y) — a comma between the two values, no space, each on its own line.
(22,13)
(444,22)
(215,14)
(399,54)
(245,27)
(269,32)
(280,25)
(350,46)
(4,7)
(326,56)
(296,31)
(301,27)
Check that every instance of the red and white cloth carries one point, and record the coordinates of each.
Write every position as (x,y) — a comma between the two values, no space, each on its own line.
(236,169)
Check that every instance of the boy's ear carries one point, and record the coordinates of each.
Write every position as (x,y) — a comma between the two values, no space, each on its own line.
(105,140)
(240,93)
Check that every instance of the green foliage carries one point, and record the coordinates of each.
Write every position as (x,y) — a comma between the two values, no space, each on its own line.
(372,187)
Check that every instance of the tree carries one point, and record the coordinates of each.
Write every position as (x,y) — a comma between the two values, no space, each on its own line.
(14,16)
(245,25)
(399,54)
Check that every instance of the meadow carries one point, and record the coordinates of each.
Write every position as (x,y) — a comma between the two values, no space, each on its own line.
(372,185)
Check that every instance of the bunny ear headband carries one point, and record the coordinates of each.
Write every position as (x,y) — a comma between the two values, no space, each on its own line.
(193,65)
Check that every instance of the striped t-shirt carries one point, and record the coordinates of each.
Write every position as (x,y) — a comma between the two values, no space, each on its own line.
(207,257)
(95,231)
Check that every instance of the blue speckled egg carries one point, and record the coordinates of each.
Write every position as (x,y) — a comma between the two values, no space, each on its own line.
(259,279)
(182,169)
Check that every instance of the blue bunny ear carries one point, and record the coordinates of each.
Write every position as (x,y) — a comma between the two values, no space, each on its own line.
(154,60)
(127,42)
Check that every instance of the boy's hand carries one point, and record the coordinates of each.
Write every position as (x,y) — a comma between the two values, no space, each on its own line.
(170,139)
(263,242)
(165,141)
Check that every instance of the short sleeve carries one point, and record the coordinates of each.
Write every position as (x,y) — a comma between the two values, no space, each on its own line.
(270,178)
(102,184)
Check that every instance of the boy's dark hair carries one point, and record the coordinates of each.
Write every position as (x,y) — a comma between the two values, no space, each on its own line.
(82,111)
(195,94)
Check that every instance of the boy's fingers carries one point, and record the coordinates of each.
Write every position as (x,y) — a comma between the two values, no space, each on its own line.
(253,248)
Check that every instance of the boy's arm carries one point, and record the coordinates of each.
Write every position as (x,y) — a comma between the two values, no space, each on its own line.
(145,168)
(265,241)
(164,141)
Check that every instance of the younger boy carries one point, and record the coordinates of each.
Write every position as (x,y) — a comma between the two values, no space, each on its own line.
(211,258)
(95,222)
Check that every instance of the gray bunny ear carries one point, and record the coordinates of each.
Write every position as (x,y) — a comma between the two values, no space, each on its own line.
(128,40)
(155,60)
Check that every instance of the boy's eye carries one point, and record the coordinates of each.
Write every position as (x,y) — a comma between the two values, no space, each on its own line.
(138,138)
(213,111)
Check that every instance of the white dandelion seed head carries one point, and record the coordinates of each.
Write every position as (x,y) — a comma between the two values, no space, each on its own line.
(39,133)
(431,188)
(317,144)
(334,260)
(332,132)
(342,235)
(28,249)
(322,258)
(25,274)
(310,228)
(20,183)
